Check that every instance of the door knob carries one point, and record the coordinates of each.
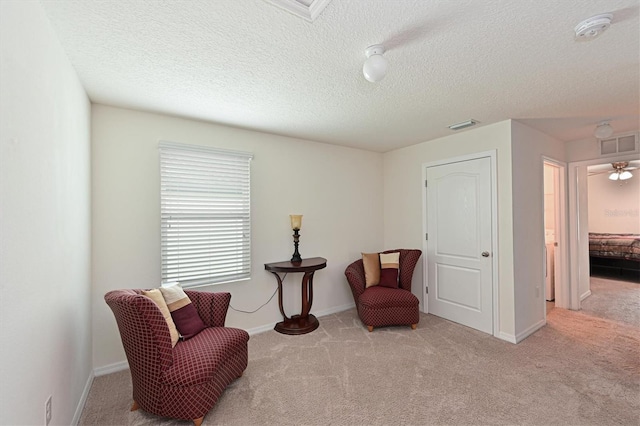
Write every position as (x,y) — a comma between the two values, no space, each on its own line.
(485,254)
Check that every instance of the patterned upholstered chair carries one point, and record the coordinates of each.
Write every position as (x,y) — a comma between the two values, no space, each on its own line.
(381,306)
(183,382)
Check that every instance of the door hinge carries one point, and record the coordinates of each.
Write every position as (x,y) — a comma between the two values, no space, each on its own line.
(426,236)
(425,183)
(427,289)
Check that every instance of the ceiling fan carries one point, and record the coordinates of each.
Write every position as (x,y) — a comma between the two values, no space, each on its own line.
(621,171)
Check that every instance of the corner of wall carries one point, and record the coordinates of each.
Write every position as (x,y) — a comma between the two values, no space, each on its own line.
(46,221)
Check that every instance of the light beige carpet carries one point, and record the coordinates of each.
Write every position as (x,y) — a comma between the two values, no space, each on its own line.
(577,370)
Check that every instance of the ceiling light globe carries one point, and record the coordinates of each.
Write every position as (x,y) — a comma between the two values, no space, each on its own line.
(603,131)
(625,175)
(375,68)
(614,176)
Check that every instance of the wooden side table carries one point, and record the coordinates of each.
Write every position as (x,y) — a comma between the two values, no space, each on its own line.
(305,322)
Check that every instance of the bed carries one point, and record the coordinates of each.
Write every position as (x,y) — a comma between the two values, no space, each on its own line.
(615,255)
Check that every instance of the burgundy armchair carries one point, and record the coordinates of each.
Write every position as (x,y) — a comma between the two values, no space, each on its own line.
(382,306)
(183,382)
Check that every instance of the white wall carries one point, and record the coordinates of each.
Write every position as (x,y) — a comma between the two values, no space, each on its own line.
(520,211)
(44,222)
(614,205)
(403,188)
(528,148)
(337,189)
(583,149)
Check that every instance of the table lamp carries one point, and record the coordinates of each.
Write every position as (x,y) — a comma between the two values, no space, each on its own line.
(296,224)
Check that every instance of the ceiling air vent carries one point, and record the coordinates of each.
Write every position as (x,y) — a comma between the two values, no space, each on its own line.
(619,145)
(463,125)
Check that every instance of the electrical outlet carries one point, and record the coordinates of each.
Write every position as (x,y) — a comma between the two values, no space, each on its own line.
(47,411)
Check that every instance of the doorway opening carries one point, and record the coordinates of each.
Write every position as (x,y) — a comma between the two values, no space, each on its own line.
(613,226)
(579,287)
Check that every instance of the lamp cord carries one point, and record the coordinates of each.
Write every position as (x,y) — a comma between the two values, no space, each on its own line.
(261,306)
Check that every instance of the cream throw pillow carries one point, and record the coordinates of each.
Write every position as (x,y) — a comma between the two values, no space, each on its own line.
(157,297)
(184,313)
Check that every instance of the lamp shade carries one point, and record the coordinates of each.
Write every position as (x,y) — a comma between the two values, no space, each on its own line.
(625,175)
(296,221)
(375,67)
(603,131)
(614,176)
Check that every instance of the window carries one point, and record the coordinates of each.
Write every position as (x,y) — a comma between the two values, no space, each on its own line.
(205,214)
(621,144)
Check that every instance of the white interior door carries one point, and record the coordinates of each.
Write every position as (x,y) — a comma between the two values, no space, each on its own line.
(459,243)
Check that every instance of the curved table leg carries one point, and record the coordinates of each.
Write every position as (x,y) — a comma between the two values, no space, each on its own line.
(307,293)
(305,322)
(280,295)
(310,290)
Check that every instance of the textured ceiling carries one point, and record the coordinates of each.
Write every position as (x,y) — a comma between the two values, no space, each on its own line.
(250,64)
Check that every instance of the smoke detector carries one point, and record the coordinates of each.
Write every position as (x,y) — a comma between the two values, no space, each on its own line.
(592,27)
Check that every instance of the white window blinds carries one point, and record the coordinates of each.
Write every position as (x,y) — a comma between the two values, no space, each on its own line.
(205,214)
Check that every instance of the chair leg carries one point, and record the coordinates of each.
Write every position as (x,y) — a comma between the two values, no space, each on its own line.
(134,406)
(370,328)
(414,326)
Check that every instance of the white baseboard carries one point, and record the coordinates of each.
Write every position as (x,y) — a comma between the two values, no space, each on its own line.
(261,329)
(83,399)
(529,331)
(322,313)
(517,338)
(111,368)
(584,296)
(124,365)
(334,310)
(506,337)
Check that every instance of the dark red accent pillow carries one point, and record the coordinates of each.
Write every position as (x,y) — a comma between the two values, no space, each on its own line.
(187,321)
(389,267)
(389,278)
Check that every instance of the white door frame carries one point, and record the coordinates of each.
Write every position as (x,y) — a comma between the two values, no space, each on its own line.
(578,204)
(492,154)
(562,286)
